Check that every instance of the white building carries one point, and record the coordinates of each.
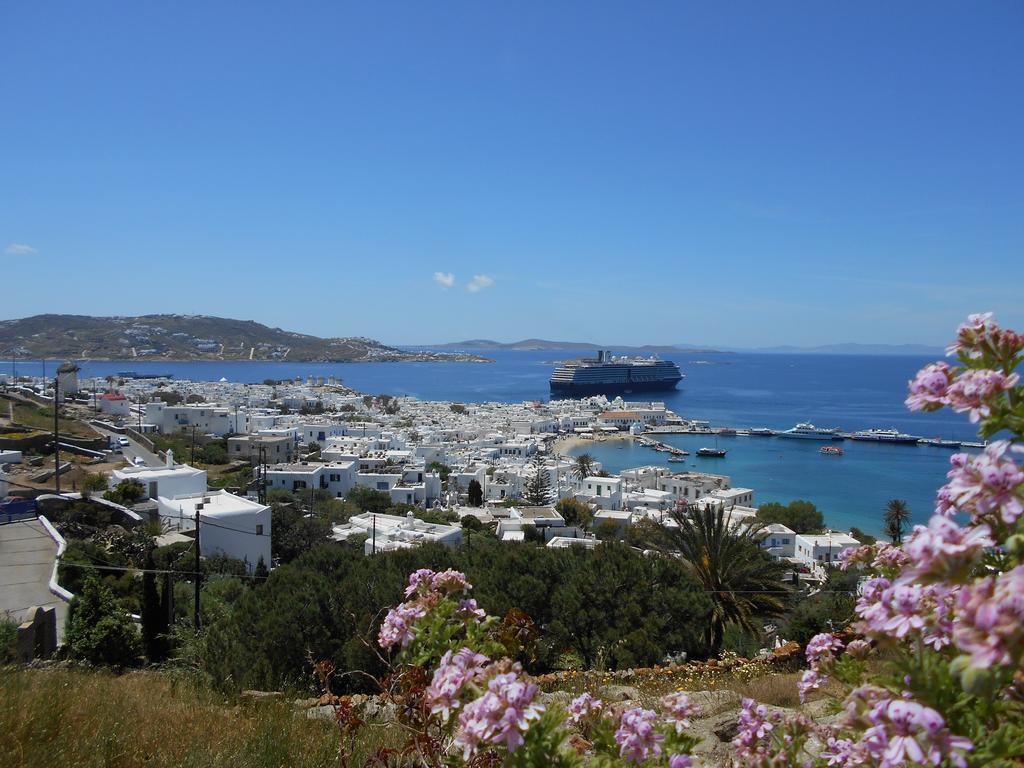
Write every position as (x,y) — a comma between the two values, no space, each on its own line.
(335,477)
(386,533)
(228,524)
(205,418)
(605,492)
(114,404)
(779,541)
(564,542)
(169,480)
(823,548)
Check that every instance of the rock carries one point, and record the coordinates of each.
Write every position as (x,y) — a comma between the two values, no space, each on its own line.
(259,697)
(320,713)
(562,698)
(713,703)
(306,703)
(379,711)
(614,693)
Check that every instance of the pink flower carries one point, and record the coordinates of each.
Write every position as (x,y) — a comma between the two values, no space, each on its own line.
(809,681)
(501,716)
(990,619)
(468,609)
(974,391)
(397,628)
(637,736)
(449,582)
(928,389)
(450,677)
(944,551)
(754,728)
(970,336)
(419,581)
(583,707)
(906,732)
(680,761)
(858,649)
(821,651)
(984,484)
(679,709)
(979,335)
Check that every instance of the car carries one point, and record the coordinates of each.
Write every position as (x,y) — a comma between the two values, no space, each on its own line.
(123,442)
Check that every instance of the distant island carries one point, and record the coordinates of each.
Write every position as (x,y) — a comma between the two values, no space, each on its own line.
(192,337)
(532,345)
(824,349)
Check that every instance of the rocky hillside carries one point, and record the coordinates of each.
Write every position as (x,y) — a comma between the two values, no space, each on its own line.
(189,337)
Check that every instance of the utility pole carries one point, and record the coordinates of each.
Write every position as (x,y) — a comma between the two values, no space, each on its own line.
(198,576)
(374,543)
(193,462)
(56,434)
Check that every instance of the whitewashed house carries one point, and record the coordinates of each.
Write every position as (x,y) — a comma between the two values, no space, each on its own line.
(228,524)
(169,480)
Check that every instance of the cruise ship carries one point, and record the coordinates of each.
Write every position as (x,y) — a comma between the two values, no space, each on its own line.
(884,436)
(607,375)
(805,431)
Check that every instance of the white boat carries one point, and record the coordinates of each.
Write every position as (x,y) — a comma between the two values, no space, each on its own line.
(884,436)
(806,431)
(762,432)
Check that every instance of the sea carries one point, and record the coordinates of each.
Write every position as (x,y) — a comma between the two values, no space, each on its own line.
(728,389)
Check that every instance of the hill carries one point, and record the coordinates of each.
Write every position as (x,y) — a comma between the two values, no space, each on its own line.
(190,337)
(544,344)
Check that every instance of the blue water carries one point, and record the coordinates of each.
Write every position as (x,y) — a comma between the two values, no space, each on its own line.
(739,390)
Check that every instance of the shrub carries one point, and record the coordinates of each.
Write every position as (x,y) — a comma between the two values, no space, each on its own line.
(98,630)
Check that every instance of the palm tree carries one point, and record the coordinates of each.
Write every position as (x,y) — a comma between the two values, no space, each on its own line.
(897,519)
(584,466)
(723,555)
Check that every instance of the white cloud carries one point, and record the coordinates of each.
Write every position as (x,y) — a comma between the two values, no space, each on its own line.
(444,279)
(20,249)
(479,282)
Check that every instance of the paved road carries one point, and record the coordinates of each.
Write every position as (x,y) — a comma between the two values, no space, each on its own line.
(134,450)
(26,561)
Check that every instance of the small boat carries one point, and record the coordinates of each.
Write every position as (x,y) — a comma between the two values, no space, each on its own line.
(716,453)
(727,431)
(762,432)
(677,459)
(831,450)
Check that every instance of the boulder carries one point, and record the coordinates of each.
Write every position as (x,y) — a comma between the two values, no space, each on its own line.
(619,693)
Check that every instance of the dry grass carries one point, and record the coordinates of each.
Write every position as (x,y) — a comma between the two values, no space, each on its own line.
(761,682)
(42,419)
(83,718)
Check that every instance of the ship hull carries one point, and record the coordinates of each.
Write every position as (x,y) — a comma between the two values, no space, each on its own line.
(572,389)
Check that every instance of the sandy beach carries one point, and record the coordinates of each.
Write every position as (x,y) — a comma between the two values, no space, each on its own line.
(565,444)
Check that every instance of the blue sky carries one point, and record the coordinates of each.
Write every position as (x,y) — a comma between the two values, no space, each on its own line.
(724,173)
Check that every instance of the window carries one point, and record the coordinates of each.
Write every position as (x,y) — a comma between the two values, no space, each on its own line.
(785,541)
(382,486)
(259,530)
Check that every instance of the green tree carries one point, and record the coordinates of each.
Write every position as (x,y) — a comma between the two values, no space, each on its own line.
(369,500)
(93,482)
(575,512)
(126,493)
(861,536)
(442,469)
(724,557)
(538,487)
(800,516)
(471,523)
(475,493)
(155,624)
(897,519)
(98,630)
(292,532)
(584,466)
